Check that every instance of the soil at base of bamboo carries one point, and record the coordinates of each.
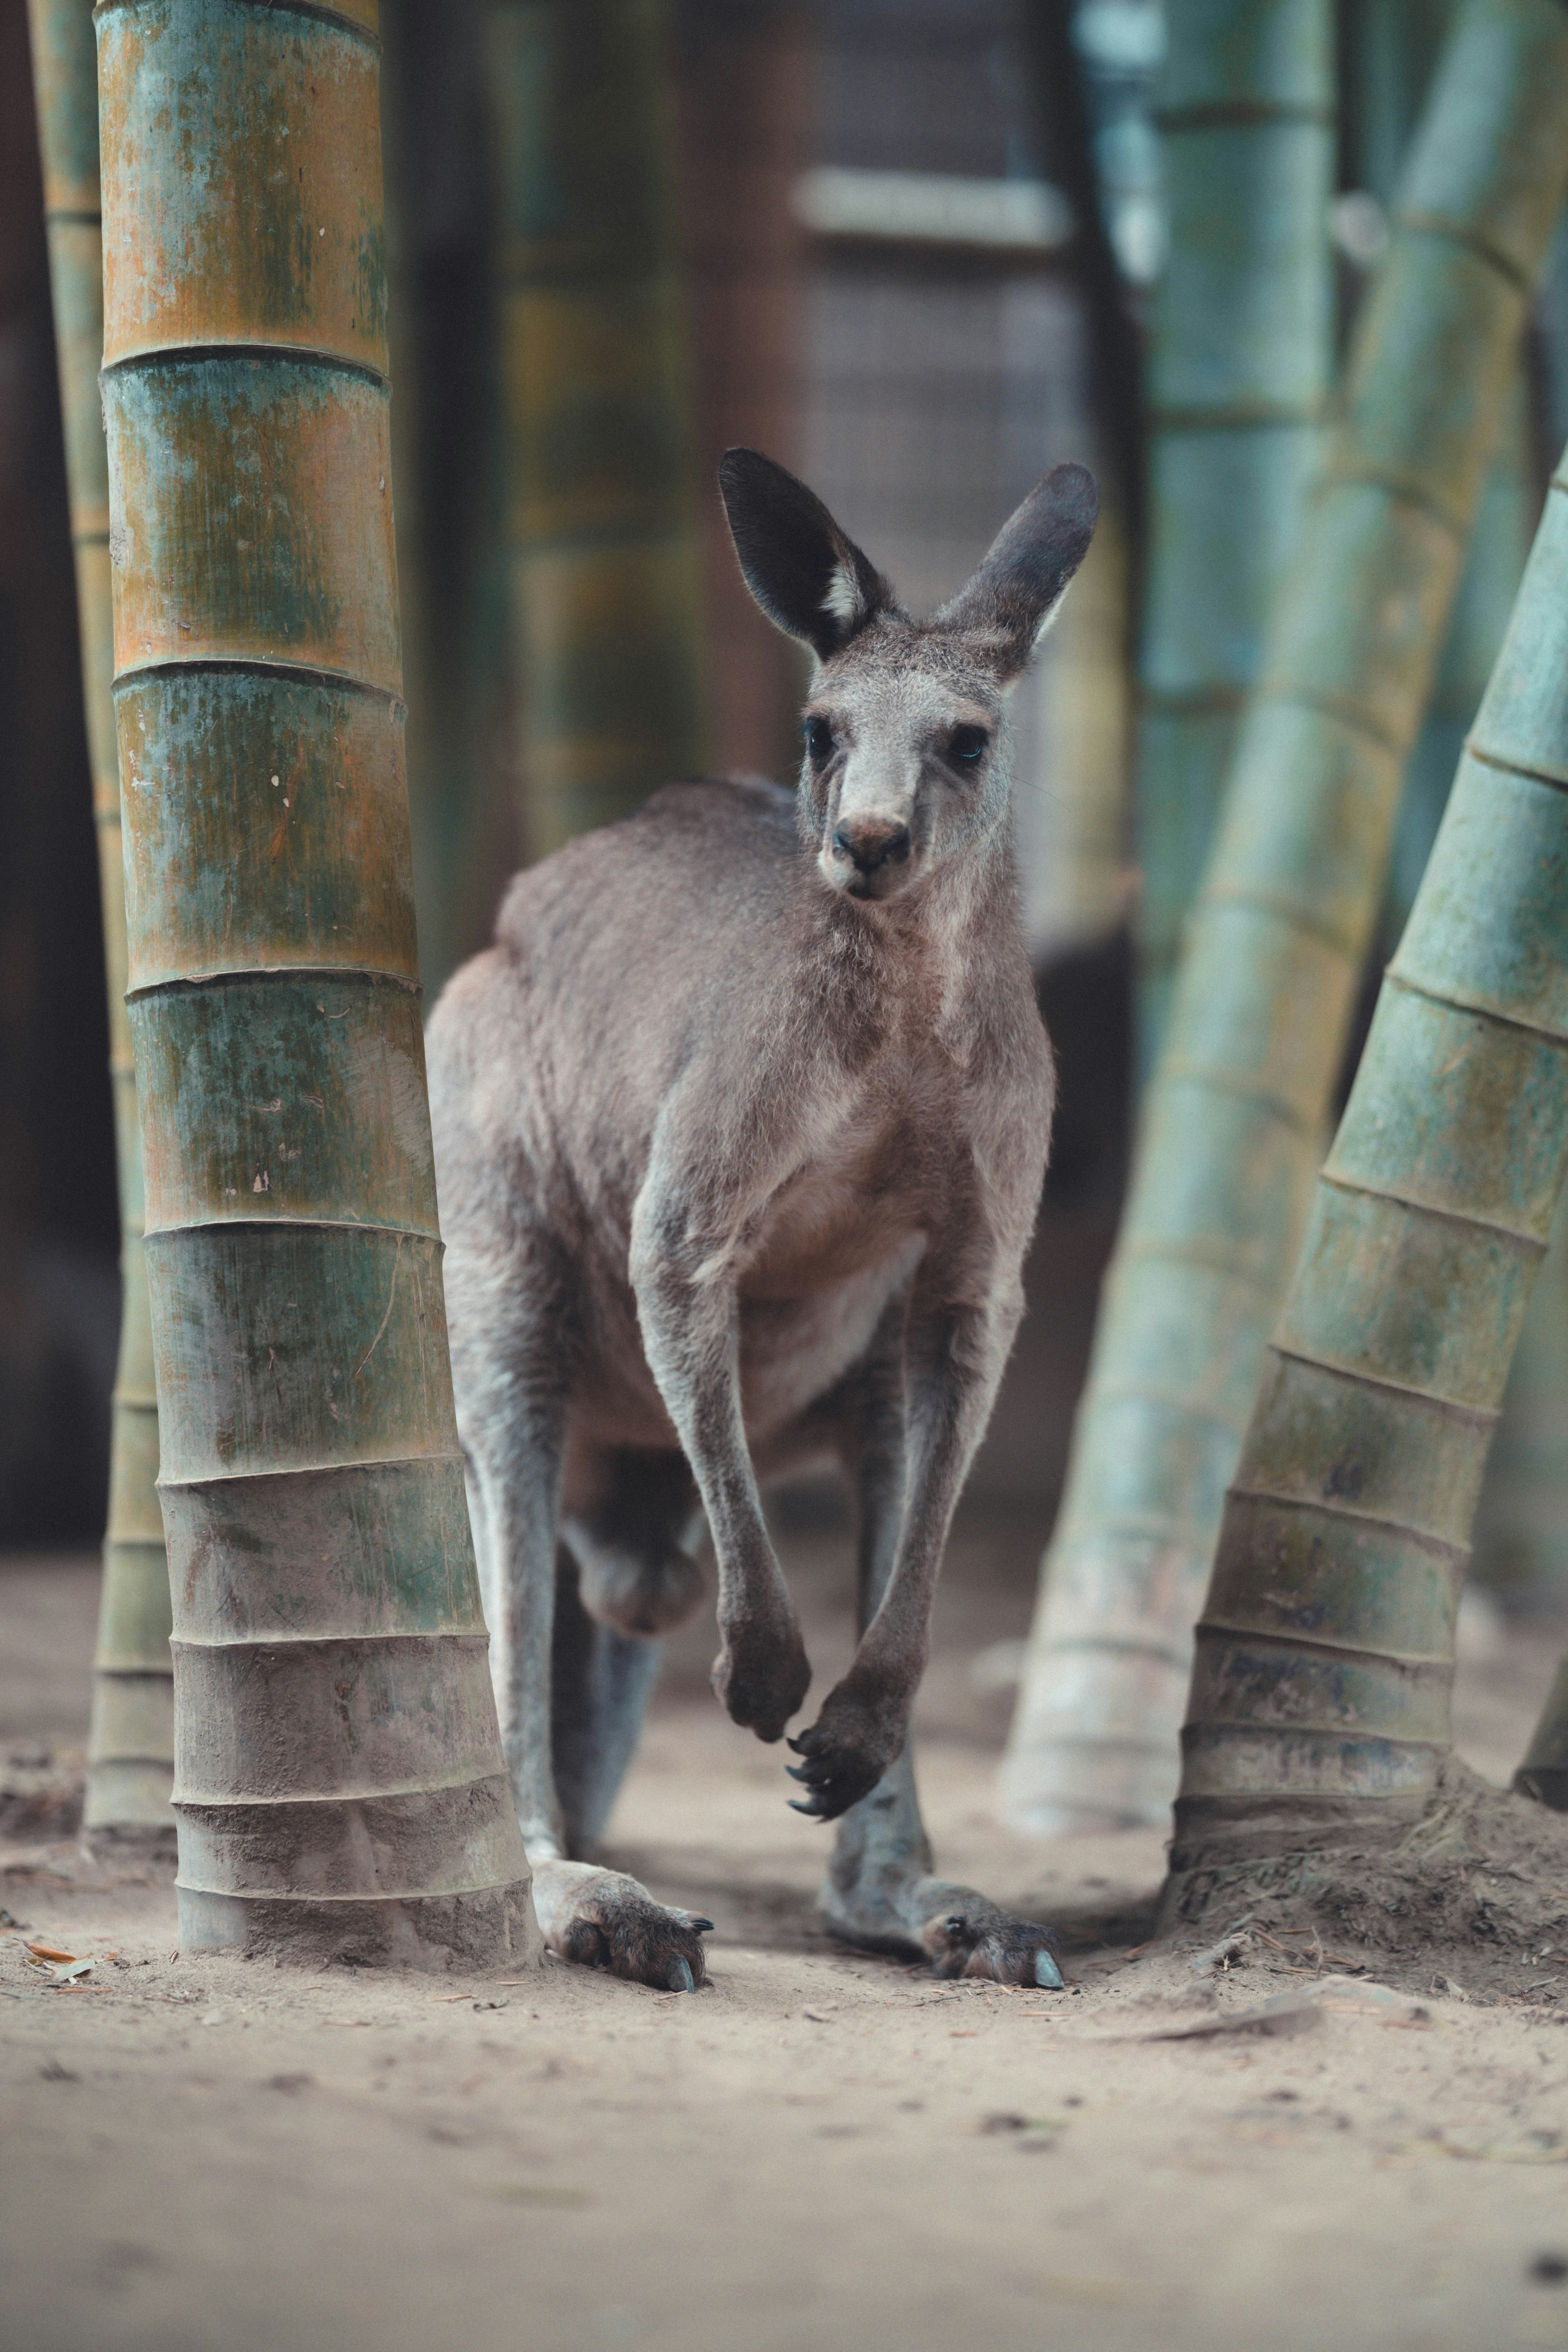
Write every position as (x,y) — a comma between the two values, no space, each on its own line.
(1472,1895)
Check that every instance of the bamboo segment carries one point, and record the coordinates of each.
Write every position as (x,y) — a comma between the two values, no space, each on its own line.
(339,1781)
(1231,1119)
(603,570)
(131,1746)
(1320,1692)
(1240,363)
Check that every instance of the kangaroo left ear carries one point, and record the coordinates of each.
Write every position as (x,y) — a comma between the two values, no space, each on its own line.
(806,574)
(1013,599)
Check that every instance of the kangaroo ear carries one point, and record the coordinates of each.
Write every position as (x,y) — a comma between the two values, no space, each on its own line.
(1012,599)
(808,576)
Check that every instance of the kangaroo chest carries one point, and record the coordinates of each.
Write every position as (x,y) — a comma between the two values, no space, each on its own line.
(879,1176)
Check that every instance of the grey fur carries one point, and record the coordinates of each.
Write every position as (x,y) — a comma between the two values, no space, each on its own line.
(741,1126)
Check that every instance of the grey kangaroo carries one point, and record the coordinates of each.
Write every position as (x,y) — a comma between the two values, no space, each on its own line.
(741,1126)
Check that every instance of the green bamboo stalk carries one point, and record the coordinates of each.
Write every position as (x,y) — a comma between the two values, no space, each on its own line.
(603,584)
(1232,1116)
(1520,1548)
(130,1744)
(1240,361)
(1320,1691)
(339,1782)
(1520,1536)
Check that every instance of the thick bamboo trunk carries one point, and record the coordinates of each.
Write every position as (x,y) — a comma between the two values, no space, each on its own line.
(1520,1540)
(1233,1116)
(1320,1691)
(1241,356)
(339,1781)
(131,1747)
(1521,1521)
(603,577)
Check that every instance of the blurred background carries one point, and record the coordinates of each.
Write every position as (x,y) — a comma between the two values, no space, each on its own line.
(911,248)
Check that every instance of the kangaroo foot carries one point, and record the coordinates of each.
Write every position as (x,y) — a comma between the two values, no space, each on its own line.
(847,1752)
(959,1932)
(602,1919)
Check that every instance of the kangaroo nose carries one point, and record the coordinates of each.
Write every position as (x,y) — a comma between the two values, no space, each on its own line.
(871,841)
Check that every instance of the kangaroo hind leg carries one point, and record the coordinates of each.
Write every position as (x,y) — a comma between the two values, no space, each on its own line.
(880,1893)
(624,1548)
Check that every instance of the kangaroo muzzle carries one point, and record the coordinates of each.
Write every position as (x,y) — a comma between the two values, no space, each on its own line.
(867,852)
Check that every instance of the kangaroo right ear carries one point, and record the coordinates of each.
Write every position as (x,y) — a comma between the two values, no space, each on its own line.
(808,576)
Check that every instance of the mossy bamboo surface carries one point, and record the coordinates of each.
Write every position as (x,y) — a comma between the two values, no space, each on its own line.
(1232,1116)
(131,1745)
(339,1781)
(1241,359)
(1321,1690)
(602,563)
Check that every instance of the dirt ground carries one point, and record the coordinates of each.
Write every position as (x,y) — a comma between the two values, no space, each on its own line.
(822,2152)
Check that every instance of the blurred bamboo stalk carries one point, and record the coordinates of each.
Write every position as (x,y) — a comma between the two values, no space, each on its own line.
(602,576)
(1241,355)
(439,333)
(1276,942)
(1320,1701)
(743,93)
(338,1783)
(130,1744)
(1081,894)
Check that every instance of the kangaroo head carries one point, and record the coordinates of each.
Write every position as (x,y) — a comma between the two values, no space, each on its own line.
(906,756)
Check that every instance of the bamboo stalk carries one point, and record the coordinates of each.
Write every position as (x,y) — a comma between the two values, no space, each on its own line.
(1240,361)
(1520,1536)
(1320,1691)
(1521,1548)
(130,1744)
(339,1781)
(1231,1118)
(602,565)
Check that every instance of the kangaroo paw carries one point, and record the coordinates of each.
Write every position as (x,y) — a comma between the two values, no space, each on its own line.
(762,1678)
(602,1919)
(845,1753)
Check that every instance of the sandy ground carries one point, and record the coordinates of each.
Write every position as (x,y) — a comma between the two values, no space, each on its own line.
(824,2152)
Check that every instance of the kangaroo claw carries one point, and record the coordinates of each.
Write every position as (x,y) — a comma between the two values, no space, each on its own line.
(680,1978)
(1046,1973)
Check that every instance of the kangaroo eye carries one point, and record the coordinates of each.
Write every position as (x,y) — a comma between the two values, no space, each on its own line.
(819,739)
(968,746)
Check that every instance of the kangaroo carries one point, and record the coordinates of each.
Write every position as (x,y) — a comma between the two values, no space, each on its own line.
(741,1126)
